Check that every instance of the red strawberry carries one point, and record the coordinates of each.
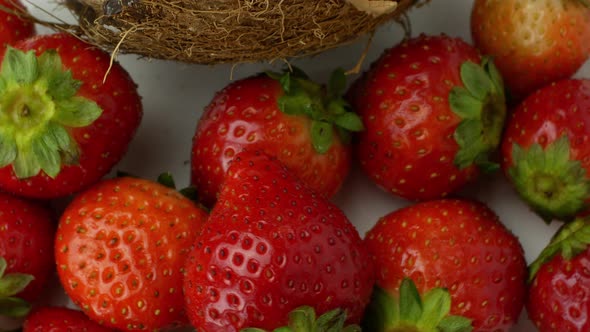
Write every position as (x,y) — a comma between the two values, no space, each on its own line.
(26,253)
(545,149)
(12,26)
(559,295)
(457,245)
(58,319)
(432,116)
(286,116)
(62,128)
(120,251)
(533,42)
(271,246)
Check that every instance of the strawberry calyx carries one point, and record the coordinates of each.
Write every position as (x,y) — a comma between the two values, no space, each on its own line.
(167,180)
(329,112)
(481,105)
(38,104)
(303,319)
(553,185)
(572,239)
(411,312)
(10,285)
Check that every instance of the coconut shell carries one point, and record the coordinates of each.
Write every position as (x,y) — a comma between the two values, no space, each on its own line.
(225,31)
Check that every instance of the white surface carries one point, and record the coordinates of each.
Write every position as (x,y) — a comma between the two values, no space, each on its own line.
(174,95)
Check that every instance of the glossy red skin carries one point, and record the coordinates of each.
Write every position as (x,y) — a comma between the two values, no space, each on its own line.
(270,246)
(58,319)
(533,42)
(26,242)
(105,141)
(245,116)
(559,296)
(455,244)
(407,147)
(120,250)
(12,27)
(562,108)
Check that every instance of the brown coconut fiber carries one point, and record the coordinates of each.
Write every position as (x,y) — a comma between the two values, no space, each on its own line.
(225,31)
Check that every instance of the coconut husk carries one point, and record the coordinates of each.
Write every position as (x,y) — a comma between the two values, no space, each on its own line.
(227,31)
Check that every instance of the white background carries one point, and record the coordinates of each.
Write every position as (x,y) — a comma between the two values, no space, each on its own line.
(174,95)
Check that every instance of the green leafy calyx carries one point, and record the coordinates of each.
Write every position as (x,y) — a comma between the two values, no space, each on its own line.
(330,114)
(38,104)
(554,185)
(166,179)
(412,312)
(481,105)
(10,285)
(572,239)
(303,319)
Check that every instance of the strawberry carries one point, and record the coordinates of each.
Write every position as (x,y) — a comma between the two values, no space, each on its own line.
(545,149)
(285,115)
(273,248)
(120,251)
(559,293)
(61,127)
(458,256)
(533,42)
(433,112)
(13,27)
(26,253)
(59,319)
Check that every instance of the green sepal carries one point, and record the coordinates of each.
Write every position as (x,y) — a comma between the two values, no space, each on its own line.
(14,283)
(10,285)
(303,319)
(38,105)
(464,104)
(552,184)
(8,149)
(167,180)
(410,309)
(481,106)
(586,3)
(76,112)
(60,84)
(349,121)
(19,67)
(455,324)
(14,307)
(329,112)
(411,312)
(476,80)
(572,239)
(494,74)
